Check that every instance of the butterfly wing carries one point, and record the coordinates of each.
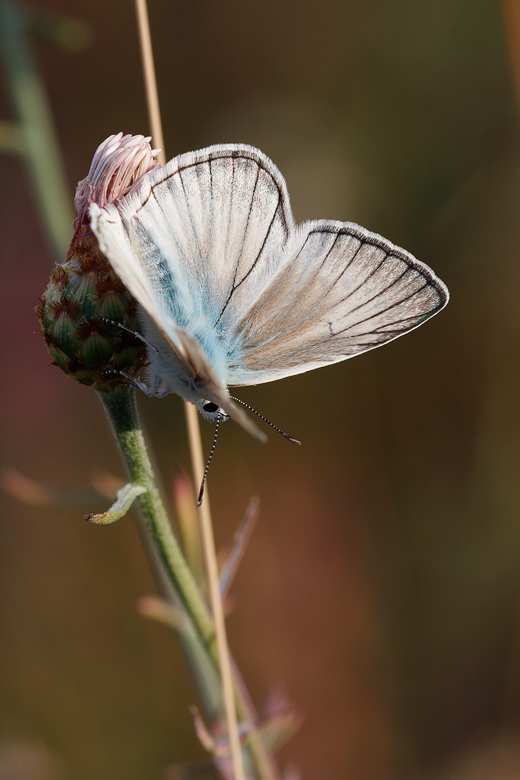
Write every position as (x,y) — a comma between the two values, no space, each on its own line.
(195,243)
(208,230)
(123,253)
(212,251)
(340,291)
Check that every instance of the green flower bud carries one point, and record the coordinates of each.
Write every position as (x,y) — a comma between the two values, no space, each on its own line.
(84,292)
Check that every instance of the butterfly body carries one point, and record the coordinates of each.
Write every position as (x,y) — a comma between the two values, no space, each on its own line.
(169,372)
(233,292)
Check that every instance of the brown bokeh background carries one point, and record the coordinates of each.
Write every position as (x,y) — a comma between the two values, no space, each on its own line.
(381,588)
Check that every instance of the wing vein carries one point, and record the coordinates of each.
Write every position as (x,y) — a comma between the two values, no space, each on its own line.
(191,216)
(212,211)
(381,292)
(334,283)
(233,285)
(231,197)
(379,313)
(254,263)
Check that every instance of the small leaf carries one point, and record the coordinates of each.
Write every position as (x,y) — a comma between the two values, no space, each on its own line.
(239,545)
(165,612)
(206,739)
(39,494)
(124,500)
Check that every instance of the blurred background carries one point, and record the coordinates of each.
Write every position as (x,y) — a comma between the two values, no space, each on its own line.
(381,588)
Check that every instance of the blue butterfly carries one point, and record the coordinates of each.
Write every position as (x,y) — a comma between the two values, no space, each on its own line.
(233,292)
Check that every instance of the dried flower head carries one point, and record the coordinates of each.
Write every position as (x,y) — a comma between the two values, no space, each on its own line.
(84,292)
(119,163)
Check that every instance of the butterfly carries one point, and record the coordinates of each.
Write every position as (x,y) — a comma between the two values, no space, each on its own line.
(233,292)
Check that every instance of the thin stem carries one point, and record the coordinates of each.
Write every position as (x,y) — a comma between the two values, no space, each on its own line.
(34,134)
(172,574)
(194,436)
(150,81)
(122,411)
(262,757)
(200,649)
(210,557)
(196,653)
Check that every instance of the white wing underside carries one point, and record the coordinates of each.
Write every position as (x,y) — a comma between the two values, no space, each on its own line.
(208,246)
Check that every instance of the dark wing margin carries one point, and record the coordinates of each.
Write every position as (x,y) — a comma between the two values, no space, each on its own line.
(341,291)
(217,222)
(213,247)
(115,245)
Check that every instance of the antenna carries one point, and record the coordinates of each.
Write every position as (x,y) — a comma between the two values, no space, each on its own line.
(201,491)
(285,435)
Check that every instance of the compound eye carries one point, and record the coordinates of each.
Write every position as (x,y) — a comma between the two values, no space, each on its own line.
(211,411)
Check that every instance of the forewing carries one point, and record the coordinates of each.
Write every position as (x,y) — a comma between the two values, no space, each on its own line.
(209,229)
(115,243)
(340,291)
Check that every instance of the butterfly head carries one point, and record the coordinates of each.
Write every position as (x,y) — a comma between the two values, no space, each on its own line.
(211,411)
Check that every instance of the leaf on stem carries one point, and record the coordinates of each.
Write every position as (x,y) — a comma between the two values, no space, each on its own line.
(206,739)
(34,493)
(240,541)
(161,610)
(215,740)
(279,719)
(124,500)
(279,728)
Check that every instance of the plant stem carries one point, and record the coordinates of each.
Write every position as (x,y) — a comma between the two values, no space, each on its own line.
(33,133)
(223,658)
(149,76)
(122,411)
(198,658)
(162,548)
(210,557)
(172,574)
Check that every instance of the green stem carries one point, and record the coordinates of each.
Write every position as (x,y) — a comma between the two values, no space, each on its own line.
(198,645)
(33,133)
(199,660)
(122,411)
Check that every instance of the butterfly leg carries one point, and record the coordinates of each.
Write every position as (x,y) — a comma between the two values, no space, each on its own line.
(151,392)
(129,330)
(161,393)
(136,382)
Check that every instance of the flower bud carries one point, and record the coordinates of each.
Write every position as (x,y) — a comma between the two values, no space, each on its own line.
(84,292)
